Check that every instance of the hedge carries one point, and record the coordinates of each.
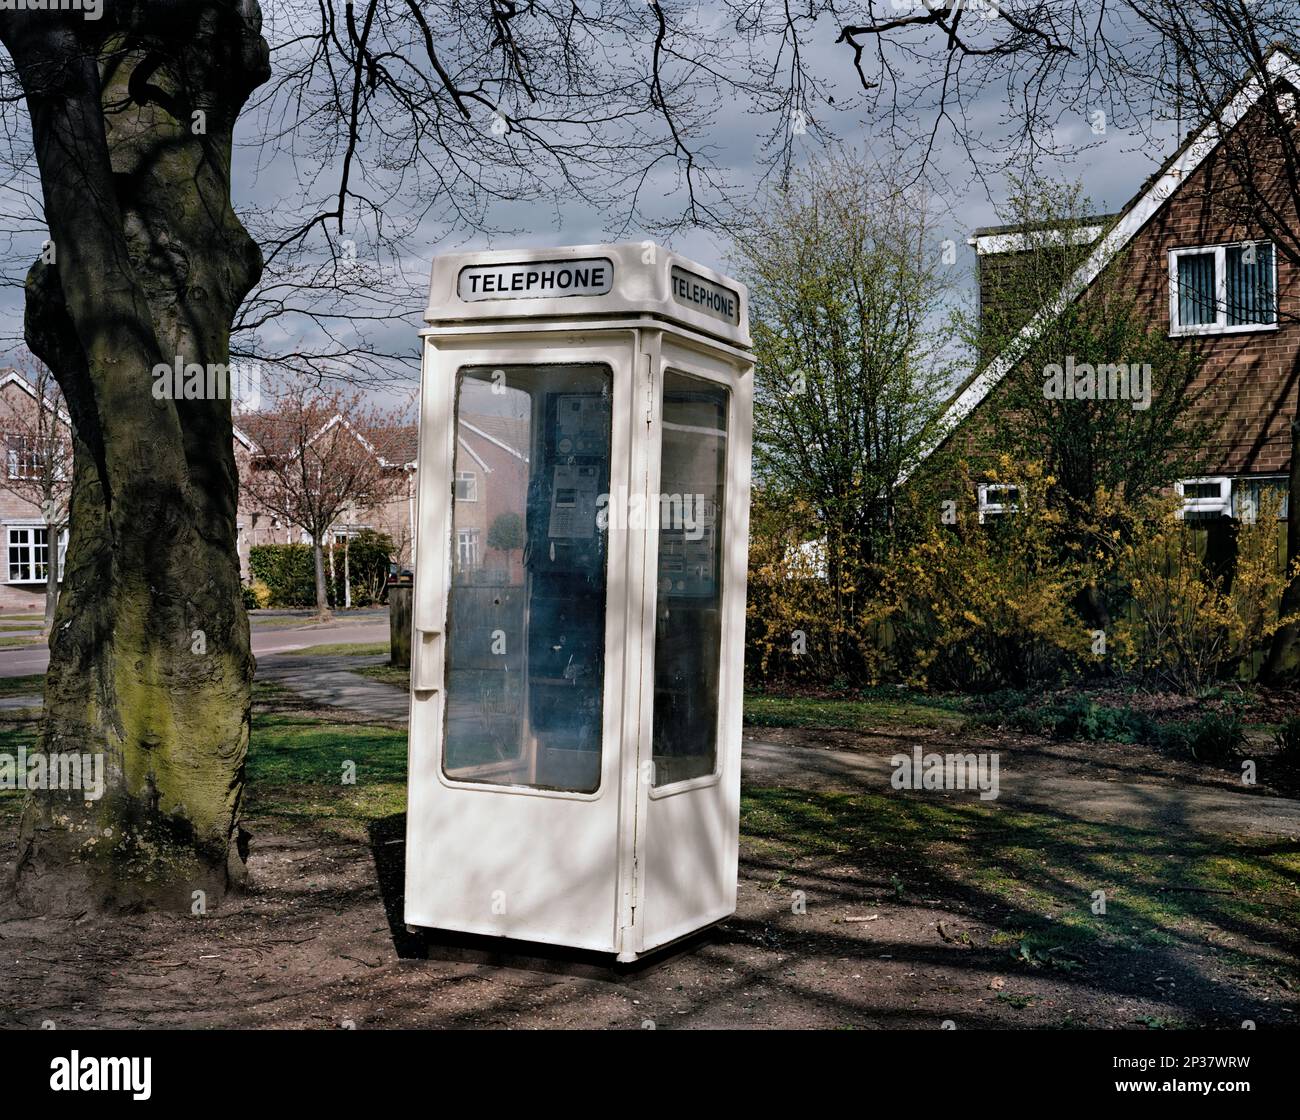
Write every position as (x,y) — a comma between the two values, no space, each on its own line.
(288,572)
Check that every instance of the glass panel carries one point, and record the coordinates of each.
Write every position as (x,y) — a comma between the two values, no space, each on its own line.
(1196,300)
(688,612)
(1248,497)
(40,554)
(19,570)
(526,617)
(1250,284)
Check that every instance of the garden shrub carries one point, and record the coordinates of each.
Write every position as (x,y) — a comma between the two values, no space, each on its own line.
(1215,737)
(1287,738)
(256,595)
(806,622)
(1187,626)
(288,571)
(1081,717)
(977,607)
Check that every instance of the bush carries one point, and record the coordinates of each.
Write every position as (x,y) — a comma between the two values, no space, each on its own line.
(1287,738)
(368,556)
(807,617)
(1186,626)
(1216,737)
(976,607)
(1083,718)
(256,595)
(1078,717)
(288,571)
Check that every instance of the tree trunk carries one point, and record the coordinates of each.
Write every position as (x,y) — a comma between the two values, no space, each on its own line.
(322,598)
(347,575)
(52,535)
(1279,652)
(150,665)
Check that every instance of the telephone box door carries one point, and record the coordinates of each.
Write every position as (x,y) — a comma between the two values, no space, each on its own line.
(515,775)
(689,804)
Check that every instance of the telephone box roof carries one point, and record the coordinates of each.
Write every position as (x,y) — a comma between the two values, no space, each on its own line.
(588,281)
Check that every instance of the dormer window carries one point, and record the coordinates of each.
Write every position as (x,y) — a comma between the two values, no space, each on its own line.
(1223,289)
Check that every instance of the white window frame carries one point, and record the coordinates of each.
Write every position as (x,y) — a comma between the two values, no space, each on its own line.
(347,532)
(17,460)
(470,477)
(32,527)
(992,508)
(467,538)
(1221,505)
(1220,325)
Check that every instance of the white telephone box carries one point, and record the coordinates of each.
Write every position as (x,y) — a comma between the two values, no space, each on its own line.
(577,655)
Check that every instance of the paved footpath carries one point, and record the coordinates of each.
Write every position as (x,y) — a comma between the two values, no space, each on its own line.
(364,627)
(330,681)
(327,680)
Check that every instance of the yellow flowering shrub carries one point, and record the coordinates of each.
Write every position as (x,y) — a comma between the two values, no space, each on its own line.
(977,607)
(808,610)
(1185,626)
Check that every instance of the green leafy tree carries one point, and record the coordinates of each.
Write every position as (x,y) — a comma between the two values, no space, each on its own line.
(506,532)
(850,308)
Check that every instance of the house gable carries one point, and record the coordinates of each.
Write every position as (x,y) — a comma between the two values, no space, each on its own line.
(1175,204)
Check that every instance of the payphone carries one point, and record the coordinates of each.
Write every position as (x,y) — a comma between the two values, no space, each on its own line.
(579,600)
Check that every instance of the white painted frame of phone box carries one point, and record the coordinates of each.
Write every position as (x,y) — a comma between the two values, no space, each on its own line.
(630,867)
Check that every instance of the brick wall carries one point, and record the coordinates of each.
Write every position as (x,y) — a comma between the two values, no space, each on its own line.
(1250,382)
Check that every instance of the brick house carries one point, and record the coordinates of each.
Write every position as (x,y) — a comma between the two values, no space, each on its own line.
(26,536)
(22,523)
(396,517)
(1201,273)
(492,445)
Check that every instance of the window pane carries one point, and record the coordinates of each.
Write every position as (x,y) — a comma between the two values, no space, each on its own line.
(688,611)
(1251,298)
(1196,299)
(526,629)
(40,554)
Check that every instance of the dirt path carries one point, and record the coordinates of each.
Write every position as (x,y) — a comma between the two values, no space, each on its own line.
(315,945)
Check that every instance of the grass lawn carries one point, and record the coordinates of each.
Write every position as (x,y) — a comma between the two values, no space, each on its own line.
(296,765)
(14,640)
(882,707)
(352,649)
(395,675)
(282,622)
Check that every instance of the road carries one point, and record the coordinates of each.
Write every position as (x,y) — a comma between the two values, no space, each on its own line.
(369,626)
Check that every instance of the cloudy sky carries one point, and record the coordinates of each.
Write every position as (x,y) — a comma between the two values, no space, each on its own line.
(270,179)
